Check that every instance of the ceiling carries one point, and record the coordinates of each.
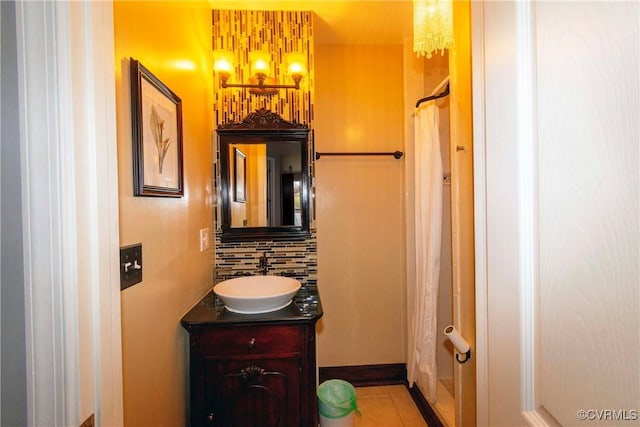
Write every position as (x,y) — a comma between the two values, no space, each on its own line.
(343,22)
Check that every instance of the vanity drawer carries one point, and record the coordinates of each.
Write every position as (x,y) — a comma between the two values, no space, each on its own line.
(240,340)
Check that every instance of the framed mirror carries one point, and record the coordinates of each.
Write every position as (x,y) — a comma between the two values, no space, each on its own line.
(264,178)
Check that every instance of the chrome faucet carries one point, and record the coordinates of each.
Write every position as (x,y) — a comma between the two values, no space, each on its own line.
(263,266)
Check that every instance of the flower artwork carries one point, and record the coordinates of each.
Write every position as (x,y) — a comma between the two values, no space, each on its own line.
(162,143)
(157,136)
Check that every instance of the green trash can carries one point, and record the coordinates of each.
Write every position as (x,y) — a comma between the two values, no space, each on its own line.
(337,403)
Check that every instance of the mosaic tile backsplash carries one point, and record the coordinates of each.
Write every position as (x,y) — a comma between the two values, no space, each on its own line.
(279,33)
(297,259)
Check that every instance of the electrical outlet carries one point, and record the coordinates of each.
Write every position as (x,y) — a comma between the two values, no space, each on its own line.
(130,265)
(204,239)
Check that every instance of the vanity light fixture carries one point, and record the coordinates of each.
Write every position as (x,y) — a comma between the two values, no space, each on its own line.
(260,83)
(432,26)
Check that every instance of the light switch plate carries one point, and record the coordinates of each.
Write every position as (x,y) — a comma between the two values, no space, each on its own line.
(130,265)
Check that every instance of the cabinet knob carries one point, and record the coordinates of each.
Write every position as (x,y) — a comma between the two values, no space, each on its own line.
(252,343)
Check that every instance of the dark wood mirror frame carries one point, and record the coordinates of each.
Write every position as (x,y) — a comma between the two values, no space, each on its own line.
(262,127)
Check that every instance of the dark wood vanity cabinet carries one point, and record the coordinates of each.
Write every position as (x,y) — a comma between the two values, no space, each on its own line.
(253,374)
(252,393)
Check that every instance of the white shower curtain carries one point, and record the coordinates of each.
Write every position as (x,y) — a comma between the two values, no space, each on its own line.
(421,365)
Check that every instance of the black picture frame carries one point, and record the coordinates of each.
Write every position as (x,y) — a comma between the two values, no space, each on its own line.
(156,122)
(239,176)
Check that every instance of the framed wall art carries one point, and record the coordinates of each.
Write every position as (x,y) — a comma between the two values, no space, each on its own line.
(240,176)
(156,114)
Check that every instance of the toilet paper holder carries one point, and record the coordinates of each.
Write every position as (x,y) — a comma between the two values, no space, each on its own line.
(460,344)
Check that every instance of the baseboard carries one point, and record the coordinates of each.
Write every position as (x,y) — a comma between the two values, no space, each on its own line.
(367,375)
(425,409)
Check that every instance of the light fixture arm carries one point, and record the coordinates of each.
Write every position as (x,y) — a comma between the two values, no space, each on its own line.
(261,84)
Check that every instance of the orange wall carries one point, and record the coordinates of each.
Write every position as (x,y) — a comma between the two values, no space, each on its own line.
(359,205)
(172,40)
(462,241)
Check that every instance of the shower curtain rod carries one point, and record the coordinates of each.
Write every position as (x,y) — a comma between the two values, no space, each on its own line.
(440,86)
(433,94)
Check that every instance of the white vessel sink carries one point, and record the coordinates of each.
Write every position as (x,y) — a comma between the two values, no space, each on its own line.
(256,294)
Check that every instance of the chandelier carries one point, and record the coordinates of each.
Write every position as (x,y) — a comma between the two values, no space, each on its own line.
(432,26)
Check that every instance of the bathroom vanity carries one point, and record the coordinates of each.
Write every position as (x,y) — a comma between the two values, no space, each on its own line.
(249,370)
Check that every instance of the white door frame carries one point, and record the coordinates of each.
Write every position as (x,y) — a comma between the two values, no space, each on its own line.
(70,212)
(519,163)
(480,212)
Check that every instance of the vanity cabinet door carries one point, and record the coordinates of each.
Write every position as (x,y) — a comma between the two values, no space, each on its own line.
(252,393)
(253,376)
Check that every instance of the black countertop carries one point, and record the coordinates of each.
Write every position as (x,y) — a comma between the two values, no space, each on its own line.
(210,310)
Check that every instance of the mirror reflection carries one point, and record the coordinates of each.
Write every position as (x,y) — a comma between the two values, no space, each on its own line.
(267,184)
(264,178)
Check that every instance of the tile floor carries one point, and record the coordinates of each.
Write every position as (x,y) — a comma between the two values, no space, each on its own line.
(387,406)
